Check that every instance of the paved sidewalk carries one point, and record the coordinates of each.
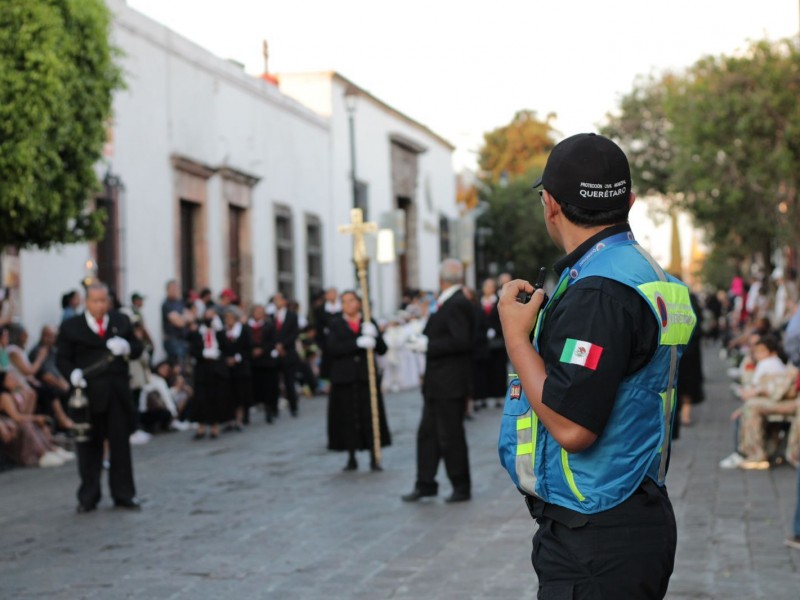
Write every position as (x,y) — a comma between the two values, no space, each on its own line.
(268,513)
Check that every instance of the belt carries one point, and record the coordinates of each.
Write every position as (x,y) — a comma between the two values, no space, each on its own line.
(572,518)
(539,508)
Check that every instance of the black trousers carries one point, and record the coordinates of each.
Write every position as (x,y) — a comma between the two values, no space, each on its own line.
(441,436)
(625,552)
(114,425)
(287,369)
(265,389)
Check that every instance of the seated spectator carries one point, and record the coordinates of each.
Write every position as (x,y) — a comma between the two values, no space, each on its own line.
(772,383)
(70,305)
(791,338)
(8,364)
(53,391)
(180,389)
(8,433)
(31,445)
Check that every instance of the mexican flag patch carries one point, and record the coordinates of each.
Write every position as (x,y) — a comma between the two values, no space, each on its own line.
(578,352)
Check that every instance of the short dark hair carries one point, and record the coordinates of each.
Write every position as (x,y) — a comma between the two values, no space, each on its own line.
(593,218)
(770,342)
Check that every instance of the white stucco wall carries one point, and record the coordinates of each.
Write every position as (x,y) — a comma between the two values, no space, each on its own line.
(181,100)
(374,124)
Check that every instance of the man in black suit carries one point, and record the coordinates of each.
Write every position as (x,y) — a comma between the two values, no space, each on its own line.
(93,348)
(448,341)
(287,329)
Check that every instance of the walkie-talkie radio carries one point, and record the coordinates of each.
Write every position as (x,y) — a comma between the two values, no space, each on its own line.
(525,297)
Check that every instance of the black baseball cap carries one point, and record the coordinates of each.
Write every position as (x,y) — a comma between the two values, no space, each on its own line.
(589,171)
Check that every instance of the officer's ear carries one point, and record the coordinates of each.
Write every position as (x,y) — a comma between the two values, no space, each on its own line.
(631,200)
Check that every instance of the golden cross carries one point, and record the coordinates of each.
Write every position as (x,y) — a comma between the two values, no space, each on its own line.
(358,228)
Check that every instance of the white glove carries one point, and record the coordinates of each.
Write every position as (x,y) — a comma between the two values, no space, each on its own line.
(211,353)
(366,342)
(237,357)
(369,329)
(118,346)
(418,344)
(76,379)
(491,334)
(274,354)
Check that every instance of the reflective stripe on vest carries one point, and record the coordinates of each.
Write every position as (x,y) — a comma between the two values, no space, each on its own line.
(671,303)
(527,428)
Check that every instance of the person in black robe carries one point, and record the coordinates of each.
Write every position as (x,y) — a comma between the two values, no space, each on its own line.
(264,363)
(690,377)
(236,348)
(209,374)
(349,407)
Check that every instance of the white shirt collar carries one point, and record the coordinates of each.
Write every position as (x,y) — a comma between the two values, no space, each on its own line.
(235,332)
(447,294)
(281,314)
(92,323)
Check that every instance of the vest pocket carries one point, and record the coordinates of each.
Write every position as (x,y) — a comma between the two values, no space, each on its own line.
(517,443)
(569,476)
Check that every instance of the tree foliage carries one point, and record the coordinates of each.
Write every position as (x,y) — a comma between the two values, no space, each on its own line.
(515,149)
(57,76)
(519,241)
(512,157)
(736,134)
(721,140)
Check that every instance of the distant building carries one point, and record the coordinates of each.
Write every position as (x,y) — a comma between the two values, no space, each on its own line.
(217,178)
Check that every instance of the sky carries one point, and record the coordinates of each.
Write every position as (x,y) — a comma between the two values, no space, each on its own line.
(464,68)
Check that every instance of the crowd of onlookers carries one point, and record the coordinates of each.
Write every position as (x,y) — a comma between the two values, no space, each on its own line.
(220,362)
(758,324)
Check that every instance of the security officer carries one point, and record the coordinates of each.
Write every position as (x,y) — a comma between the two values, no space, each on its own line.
(586,426)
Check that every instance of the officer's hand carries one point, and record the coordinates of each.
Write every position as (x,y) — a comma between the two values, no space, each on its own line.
(518,319)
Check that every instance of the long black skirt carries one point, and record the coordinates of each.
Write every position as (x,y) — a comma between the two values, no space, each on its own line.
(209,396)
(350,418)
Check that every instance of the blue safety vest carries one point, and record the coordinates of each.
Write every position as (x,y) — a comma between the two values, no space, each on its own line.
(635,442)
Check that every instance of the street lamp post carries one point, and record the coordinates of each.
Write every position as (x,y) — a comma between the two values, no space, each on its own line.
(350,101)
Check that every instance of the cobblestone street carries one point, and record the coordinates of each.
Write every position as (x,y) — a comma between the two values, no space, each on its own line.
(268,513)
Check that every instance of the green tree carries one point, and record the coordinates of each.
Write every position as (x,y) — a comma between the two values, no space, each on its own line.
(642,129)
(511,159)
(721,140)
(57,77)
(519,236)
(736,135)
(515,149)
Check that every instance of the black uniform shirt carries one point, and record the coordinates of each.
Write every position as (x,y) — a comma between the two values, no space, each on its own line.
(619,324)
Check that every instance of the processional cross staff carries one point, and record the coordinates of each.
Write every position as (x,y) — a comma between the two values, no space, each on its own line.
(357,228)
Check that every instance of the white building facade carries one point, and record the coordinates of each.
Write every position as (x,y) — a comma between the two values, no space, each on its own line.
(219,179)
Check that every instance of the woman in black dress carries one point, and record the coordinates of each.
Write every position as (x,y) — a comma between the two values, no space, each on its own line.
(690,377)
(349,413)
(209,374)
(237,348)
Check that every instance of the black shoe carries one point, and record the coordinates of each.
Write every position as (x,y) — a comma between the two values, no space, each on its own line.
(415,496)
(458,497)
(269,419)
(375,467)
(213,435)
(199,436)
(238,428)
(132,504)
(352,465)
(294,412)
(85,508)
